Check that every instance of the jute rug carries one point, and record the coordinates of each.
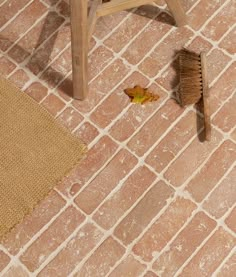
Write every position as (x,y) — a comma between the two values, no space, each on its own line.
(35,153)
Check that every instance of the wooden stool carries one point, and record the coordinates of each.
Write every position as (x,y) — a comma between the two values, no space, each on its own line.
(82,25)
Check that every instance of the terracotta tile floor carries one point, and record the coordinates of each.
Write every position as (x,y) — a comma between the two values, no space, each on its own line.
(150,199)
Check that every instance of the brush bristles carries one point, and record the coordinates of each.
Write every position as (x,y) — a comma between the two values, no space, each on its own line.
(190,89)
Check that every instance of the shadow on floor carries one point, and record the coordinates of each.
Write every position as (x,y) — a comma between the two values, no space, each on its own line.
(37,62)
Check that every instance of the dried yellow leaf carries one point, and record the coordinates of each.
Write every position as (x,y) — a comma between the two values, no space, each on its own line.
(141,95)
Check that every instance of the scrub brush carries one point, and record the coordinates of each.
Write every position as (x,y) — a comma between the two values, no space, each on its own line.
(194,84)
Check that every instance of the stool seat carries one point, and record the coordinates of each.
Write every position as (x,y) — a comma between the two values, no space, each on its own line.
(82,26)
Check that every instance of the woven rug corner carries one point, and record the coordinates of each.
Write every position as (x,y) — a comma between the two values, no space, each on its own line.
(35,154)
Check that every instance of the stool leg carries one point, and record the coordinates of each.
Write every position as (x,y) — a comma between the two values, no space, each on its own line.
(79,47)
(92,17)
(177,11)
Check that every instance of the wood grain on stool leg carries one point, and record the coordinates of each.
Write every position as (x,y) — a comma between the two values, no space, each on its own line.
(92,18)
(79,47)
(120,5)
(177,11)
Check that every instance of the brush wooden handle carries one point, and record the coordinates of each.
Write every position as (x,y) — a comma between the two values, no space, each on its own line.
(205,95)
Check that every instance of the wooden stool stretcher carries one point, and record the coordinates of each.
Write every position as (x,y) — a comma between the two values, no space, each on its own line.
(82,26)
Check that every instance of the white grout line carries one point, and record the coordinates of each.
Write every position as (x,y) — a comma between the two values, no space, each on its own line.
(145,228)
(207,196)
(219,222)
(215,43)
(222,219)
(13,18)
(22,65)
(154,78)
(54,90)
(110,231)
(62,246)
(118,56)
(122,259)
(38,20)
(192,139)
(88,219)
(54,59)
(140,127)
(218,270)
(233,56)
(173,200)
(121,148)
(186,223)
(75,196)
(13,262)
(135,68)
(4,2)
(46,226)
(166,248)
(201,245)
(45,3)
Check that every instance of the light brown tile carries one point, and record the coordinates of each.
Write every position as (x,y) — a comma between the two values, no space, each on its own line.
(165,227)
(120,166)
(147,208)
(74,252)
(35,37)
(146,40)
(160,122)
(184,245)
(215,168)
(4,260)
(209,257)
(19,78)
(190,159)
(21,23)
(231,220)
(87,132)
(116,205)
(102,86)
(134,117)
(96,157)
(37,91)
(6,66)
(33,223)
(220,23)
(226,117)
(70,118)
(165,52)
(128,267)
(173,142)
(53,104)
(16,271)
(229,267)
(223,196)
(202,12)
(8,13)
(105,257)
(115,103)
(228,43)
(48,242)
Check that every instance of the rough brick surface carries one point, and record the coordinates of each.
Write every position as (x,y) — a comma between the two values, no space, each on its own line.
(150,198)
